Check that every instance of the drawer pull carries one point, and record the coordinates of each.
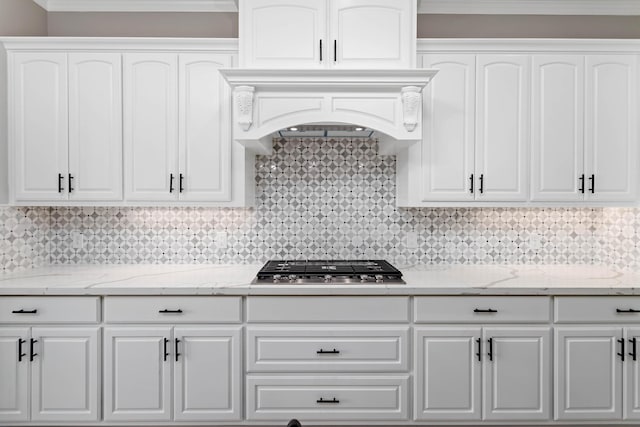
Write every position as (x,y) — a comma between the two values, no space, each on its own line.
(323,400)
(334,351)
(629,310)
(484,310)
(479,353)
(23,311)
(621,354)
(165,311)
(634,352)
(166,353)
(21,354)
(32,354)
(490,353)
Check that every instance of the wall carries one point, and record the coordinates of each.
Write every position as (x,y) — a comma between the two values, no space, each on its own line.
(22,18)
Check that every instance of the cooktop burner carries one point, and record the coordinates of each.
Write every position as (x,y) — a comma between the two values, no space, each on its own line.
(328,272)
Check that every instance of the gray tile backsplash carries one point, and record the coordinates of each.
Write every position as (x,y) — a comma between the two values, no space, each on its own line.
(321,199)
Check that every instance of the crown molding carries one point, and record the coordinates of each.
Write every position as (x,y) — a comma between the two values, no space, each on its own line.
(119,44)
(472,46)
(138,5)
(530,7)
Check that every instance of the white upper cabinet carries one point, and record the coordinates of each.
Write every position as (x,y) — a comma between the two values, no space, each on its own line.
(327,33)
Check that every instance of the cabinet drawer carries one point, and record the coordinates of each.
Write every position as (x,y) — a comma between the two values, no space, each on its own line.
(315,349)
(172,309)
(312,398)
(597,309)
(482,309)
(321,309)
(49,309)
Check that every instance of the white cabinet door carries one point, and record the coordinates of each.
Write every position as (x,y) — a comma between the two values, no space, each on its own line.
(283,34)
(372,33)
(95,126)
(151,126)
(449,122)
(611,127)
(64,377)
(588,374)
(517,377)
(448,373)
(14,374)
(632,374)
(558,128)
(205,133)
(39,126)
(502,127)
(207,373)
(137,374)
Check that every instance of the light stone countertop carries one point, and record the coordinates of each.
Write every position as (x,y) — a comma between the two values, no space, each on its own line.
(235,280)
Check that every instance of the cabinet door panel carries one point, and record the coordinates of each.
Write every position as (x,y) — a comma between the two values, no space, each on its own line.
(39,125)
(558,127)
(137,375)
(14,375)
(207,374)
(205,134)
(632,375)
(517,382)
(448,374)
(449,114)
(588,374)
(64,380)
(95,126)
(150,125)
(502,127)
(612,126)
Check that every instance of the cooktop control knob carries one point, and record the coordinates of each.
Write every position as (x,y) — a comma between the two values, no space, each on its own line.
(292,277)
(327,278)
(276,278)
(379,278)
(364,278)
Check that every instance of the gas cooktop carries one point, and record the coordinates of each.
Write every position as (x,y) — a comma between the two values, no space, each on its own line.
(304,272)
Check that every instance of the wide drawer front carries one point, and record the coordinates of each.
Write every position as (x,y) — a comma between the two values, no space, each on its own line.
(49,309)
(482,309)
(597,309)
(323,309)
(325,349)
(327,398)
(199,309)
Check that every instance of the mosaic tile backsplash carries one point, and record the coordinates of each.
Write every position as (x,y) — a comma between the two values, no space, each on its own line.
(321,199)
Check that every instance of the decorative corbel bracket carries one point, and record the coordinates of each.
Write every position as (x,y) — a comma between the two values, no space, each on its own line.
(411,99)
(244,106)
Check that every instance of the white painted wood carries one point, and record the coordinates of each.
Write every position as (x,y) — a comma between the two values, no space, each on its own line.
(502,127)
(162,309)
(362,349)
(205,128)
(449,123)
(588,374)
(557,151)
(207,374)
(360,398)
(631,374)
(138,5)
(39,125)
(64,378)
(48,309)
(525,45)
(448,374)
(582,309)
(150,125)
(315,309)
(372,33)
(612,126)
(460,309)
(529,7)
(517,382)
(14,386)
(137,379)
(95,126)
(283,34)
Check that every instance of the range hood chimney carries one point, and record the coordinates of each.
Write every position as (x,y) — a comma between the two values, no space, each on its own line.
(389,102)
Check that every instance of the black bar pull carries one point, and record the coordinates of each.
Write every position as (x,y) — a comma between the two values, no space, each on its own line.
(481,183)
(323,400)
(176,348)
(170,183)
(166,352)
(23,311)
(581,179)
(471,189)
(621,354)
(335,51)
(634,351)
(484,310)
(320,50)
(181,183)
(627,310)
(60,179)
(32,354)
(21,354)
(490,353)
(167,311)
(334,351)
(71,178)
(479,353)
(592,188)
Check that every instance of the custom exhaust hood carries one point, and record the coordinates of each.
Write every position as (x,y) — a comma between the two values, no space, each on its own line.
(267,102)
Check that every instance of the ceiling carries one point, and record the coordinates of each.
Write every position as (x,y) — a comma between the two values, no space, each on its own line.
(491,7)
